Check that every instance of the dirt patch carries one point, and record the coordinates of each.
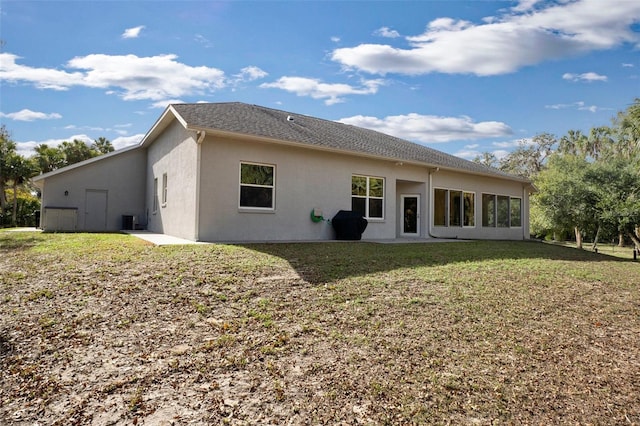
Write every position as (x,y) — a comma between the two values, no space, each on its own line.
(287,335)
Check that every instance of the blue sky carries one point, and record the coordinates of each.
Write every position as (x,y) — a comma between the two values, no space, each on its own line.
(463,77)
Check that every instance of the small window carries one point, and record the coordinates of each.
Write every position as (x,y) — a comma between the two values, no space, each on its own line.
(488,210)
(503,211)
(469,215)
(516,211)
(164,189)
(155,195)
(257,186)
(367,196)
(440,207)
(455,208)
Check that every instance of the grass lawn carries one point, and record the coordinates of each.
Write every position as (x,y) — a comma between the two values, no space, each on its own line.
(106,329)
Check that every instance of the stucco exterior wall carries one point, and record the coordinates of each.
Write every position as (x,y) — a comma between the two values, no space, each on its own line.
(308,179)
(174,152)
(305,179)
(120,177)
(481,185)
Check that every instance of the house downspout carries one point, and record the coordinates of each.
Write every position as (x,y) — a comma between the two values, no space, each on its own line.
(430,202)
(200,135)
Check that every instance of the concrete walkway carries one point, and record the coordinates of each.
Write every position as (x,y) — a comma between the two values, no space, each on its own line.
(161,239)
(165,240)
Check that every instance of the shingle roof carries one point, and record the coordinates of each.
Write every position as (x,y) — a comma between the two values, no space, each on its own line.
(241,118)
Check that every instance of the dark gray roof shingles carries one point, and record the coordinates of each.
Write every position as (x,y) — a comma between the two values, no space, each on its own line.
(237,117)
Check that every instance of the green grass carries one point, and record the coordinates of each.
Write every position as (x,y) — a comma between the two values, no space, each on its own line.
(442,333)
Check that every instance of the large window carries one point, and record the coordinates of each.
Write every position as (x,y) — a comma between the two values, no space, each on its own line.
(453,208)
(257,186)
(501,211)
(367,196)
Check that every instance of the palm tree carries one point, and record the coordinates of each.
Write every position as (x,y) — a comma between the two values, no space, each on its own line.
(102,145)
(20,170)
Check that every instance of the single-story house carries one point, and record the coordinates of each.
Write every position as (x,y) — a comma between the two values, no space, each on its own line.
(238,173)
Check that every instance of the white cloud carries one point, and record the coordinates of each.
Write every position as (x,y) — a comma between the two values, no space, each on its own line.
(331,93)
(27,149)
(132,32)
(386,32)
(335,39)
(125,141)
(522,36)
(627,65)
(431,129)
(587,76)
(154,77)
(42,78)
(251,73)
(580,106)
(129,76)
(202,40)
(28,115)
(165,103)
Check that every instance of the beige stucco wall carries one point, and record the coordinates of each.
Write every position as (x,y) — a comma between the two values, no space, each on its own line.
(174,152)
(308,179)
(305,179)
(121,175)
(481,185)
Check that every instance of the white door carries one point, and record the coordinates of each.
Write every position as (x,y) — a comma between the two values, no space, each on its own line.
(410,217)
(95,210)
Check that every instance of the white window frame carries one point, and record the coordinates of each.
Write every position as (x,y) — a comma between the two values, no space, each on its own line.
(165,182)
(368,197)
(272,187)
(155,195)
(447,208)
(495,210)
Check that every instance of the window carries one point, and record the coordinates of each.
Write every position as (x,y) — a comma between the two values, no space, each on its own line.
(257,186)
(516,212)
(488,210)
(440,207)
(367,196)
(164,189)
(155,195)
(469,209)
(453,208)
(501,211)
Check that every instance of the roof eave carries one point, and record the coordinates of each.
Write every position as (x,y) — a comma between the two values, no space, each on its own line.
(265,139)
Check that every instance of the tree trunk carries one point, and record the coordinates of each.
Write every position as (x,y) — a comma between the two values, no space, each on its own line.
(635,239)
(620,239)
(595,240)
(14,215)
(578,238)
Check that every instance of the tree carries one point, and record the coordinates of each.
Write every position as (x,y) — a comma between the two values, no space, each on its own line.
(19,171)
(7,148)
(565,197)
(49,158)
(617,185)
(529,158)
(573,143)
(488,159)
(102,145)
(77,151)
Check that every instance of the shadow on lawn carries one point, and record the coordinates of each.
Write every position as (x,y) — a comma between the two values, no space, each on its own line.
(321,262)
(14,241)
